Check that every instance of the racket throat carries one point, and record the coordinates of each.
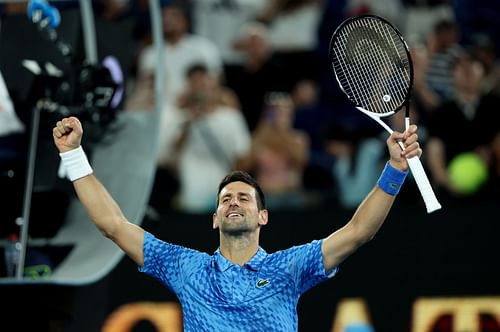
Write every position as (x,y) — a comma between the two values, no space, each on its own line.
(407,113)
(377,118)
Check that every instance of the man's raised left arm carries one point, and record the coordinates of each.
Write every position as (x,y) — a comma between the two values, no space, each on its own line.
(371,213)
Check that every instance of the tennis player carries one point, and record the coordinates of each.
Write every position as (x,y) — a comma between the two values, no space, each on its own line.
(239,287)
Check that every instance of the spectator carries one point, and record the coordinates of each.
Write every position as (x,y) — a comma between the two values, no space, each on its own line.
(9,122)
(279,154)
(292,24)
(260,73)
(204,155)
(433,80)
(292,33)
(221,20)
(182,50)
(467,123)
(264,70)
(484,50)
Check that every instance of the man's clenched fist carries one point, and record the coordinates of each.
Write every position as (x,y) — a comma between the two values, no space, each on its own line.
(67,134)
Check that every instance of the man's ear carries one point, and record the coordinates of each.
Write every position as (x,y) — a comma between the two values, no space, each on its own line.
(263,215)
(215,223)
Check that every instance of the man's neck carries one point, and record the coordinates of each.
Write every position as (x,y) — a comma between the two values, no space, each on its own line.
(468,95)
(173,40)
(239,250)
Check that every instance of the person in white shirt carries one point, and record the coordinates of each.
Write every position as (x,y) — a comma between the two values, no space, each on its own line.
(214,138)
(221,22)
(9,122)
(182,50)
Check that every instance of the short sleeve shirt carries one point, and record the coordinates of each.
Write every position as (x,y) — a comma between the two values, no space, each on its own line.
(218,295)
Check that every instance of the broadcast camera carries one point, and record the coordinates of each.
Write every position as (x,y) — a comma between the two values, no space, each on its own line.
(91,92)
(48,80)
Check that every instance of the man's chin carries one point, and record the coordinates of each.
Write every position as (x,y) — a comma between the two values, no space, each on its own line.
(236,231)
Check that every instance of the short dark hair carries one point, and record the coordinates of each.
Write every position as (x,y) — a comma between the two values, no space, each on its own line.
(445,25)
(197,68)
(181,5)
(240,176)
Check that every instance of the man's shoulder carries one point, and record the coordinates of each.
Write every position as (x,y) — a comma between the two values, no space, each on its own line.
(294,250)
(199,41)
(154,242)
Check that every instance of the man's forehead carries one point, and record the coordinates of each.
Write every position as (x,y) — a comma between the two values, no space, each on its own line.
(237,187)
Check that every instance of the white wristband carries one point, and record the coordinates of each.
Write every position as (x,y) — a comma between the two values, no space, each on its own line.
(76,163)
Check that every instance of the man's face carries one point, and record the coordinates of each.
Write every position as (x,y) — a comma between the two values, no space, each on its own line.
(174,21)
(468,74)
(237,212)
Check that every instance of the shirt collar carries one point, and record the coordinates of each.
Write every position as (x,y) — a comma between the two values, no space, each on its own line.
(222,263)
(257,259)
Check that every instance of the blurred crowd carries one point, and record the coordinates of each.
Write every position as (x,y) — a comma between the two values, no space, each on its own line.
(248,85)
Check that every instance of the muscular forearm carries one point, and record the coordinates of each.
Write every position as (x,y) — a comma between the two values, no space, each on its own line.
(109,219)
(363,226)
(100,206)
(371,214)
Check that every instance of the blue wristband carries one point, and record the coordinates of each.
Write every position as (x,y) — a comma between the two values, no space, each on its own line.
(391,179)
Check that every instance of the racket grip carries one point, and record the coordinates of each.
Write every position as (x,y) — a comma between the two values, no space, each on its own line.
(430,200)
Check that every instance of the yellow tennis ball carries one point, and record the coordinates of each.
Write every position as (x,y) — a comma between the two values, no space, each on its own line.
(467,172)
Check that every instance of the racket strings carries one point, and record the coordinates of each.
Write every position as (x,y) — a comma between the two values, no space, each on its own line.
(356,85)
(372,65)
(377,62)
(372,74)
(364,75)
(402,68)
(380,70)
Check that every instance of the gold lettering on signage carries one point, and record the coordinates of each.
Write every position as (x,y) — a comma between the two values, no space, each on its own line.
(350,311)
(465,312)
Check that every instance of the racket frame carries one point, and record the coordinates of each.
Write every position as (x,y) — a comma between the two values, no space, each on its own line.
(414,163)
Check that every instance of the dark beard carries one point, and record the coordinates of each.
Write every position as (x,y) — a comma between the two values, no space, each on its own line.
(237,231)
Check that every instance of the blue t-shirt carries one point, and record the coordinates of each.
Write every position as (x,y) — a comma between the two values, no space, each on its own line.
(218,295)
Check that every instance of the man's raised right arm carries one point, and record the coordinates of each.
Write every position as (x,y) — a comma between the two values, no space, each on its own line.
(98,203)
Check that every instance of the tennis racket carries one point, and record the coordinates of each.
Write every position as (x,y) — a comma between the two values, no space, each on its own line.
(373,67)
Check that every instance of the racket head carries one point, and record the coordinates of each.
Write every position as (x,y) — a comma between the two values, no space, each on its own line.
(372,64)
